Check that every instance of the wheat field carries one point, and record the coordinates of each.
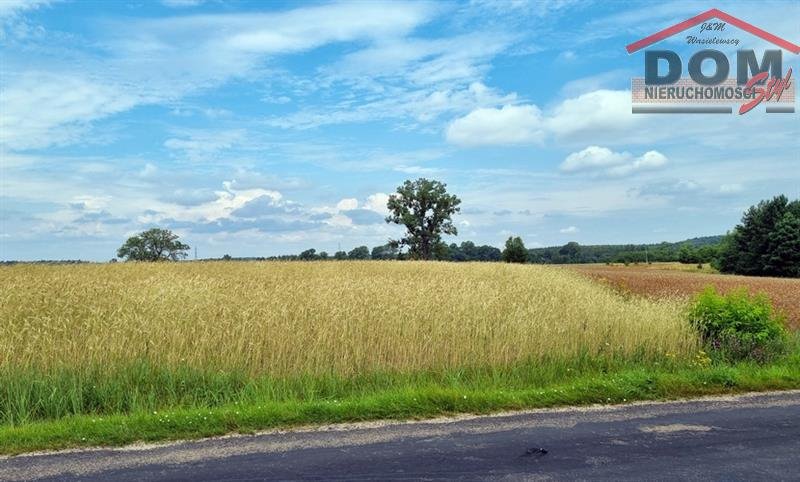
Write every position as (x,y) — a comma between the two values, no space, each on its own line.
(321,318)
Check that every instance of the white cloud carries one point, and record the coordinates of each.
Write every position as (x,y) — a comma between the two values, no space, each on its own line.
(89,202)
(648,161)
(161,60)
(592,157)
(423,61)
(10,8)
(43,109)
(377,202)
(148,170)
(227,201)
(616,164)
(201,145)
(309,27)
(593,114)
(603,116)
(423,105)
(347,204)
(601,81)
(511,124)
(569,230)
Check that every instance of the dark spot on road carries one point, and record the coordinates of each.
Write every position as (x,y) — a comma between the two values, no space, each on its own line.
(535,451)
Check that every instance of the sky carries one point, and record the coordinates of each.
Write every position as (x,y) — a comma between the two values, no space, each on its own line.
(266,128)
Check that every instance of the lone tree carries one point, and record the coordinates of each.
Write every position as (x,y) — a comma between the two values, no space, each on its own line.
(425,209)
(153,245)
(515,251)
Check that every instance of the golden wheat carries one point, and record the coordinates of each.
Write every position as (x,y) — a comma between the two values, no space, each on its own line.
(343,318)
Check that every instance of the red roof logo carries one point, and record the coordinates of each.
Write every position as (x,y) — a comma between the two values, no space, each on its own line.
(718,14)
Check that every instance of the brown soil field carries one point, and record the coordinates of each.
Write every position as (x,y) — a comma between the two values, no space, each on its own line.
(784,293)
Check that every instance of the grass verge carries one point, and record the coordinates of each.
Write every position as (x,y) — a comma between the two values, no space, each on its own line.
(407,400)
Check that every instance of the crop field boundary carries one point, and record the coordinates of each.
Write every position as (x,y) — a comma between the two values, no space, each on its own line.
(407,403)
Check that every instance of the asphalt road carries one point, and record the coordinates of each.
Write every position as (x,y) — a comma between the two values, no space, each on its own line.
(749,437)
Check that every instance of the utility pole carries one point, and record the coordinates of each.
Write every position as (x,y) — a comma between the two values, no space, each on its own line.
(195,253)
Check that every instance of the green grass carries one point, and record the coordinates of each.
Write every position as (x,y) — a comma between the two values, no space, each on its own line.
(169,406)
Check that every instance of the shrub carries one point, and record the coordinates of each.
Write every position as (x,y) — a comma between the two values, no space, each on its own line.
(739,326)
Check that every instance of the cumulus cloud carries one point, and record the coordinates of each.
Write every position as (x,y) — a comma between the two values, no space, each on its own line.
(226,203)
(510,124)
(648,161)
(265,205)
(377,202)
(592,157)
(596,159)
(593,114)
(347,204)
(349,212)
(569,230)
(599,116)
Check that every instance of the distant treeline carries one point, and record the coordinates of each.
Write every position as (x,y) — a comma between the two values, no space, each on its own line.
(46,261)
(467,251)
(695,250)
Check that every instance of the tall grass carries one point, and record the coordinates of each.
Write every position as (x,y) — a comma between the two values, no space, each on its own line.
(114,338)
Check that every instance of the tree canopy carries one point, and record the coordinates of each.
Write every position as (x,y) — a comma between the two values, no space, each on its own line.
(515,251)
(361,252)
(766,243)
(425,209)
(153,245)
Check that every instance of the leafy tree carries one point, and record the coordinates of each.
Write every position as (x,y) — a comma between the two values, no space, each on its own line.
(323,255)
(688,255)
(340,255)
(456,253)
(571,251)
(766,242)
(515,251)
(153,245)
(387,251)
(425,209)
(308,255)
(361,252)
(468,251)
(227,257)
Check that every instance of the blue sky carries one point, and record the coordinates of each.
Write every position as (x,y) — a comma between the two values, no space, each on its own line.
(256,128)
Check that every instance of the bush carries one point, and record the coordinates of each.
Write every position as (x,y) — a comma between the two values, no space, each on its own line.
(739,326)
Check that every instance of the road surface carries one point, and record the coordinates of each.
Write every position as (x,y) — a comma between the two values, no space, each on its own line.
(748,437)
